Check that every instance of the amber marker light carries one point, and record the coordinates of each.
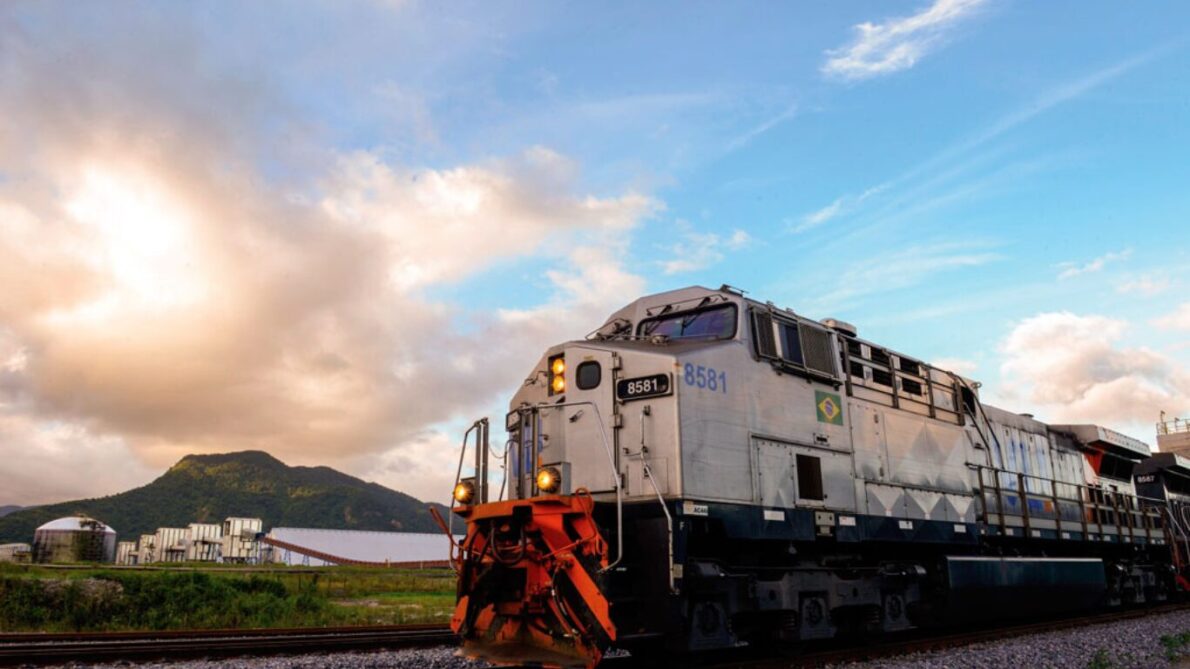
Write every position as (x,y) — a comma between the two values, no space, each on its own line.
(464,492)
(557,369)
(548,480)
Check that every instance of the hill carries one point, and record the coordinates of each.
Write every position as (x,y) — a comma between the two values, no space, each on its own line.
(5,510)
(209,488)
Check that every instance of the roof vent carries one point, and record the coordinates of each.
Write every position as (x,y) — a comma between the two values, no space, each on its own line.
(1027,415)
(841,326)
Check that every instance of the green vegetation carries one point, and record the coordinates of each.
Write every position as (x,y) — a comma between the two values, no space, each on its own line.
(39,599)
(1100,660)
(1176,645)
(209,488)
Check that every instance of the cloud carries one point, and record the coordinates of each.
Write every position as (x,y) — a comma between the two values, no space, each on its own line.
(840,206)
(956,365)
(1145,285)
(187,268)
(761,128)
(899,43)
(817,218)
(919,182)
(699,250)
(1178,320)
(1079,369)
(1069,270)
(898,269)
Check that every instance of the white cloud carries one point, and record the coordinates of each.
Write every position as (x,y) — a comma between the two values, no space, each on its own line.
(1178,320)
(47,462)
(761,128)
(948,165)
(1073,368)
(738,240)
(1069,270)
(152,307)
(898,269)
(899,43)
(699,250)
(817,218)
(840,206)
(956,365)
(1145,285)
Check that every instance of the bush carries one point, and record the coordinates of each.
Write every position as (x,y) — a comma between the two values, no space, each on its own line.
(159,600)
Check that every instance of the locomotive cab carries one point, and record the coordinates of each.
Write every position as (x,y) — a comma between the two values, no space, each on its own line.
(593,441)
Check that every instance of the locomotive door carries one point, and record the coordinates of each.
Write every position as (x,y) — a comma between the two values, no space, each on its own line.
(772,474)
(591,377)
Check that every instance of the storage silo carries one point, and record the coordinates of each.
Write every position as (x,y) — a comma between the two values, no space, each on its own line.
(74,539)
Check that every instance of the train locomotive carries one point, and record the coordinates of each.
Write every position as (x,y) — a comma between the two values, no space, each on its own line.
(707,471)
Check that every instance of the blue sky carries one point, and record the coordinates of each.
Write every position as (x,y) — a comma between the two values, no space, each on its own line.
(328,195)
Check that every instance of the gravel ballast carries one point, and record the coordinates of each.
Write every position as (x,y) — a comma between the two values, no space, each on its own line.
(1126,644)
(439,657)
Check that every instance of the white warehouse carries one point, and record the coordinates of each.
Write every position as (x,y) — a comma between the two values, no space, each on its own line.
(315,548)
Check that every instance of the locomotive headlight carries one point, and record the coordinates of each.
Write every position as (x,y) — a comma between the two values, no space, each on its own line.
(557,374)
(548,480)
(464,492)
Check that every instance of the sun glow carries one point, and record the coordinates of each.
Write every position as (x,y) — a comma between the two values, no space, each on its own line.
(143,239)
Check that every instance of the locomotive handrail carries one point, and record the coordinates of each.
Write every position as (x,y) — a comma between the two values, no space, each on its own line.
(480,483)
(648,473)
(1108,511)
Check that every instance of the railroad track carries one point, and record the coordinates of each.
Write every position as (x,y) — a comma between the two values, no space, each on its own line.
(41,649)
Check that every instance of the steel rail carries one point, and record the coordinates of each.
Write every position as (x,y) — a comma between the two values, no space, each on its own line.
(41,649)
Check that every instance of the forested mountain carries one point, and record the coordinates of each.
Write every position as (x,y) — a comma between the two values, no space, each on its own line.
(209,488)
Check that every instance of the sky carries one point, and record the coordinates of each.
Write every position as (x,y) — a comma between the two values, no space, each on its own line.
(340,231)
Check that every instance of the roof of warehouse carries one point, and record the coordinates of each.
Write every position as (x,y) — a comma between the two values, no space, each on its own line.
(368,546)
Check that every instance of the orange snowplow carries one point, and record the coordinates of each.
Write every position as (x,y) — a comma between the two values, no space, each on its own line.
(528,583)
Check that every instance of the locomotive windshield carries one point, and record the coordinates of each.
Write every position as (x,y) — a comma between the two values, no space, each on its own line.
(718,322)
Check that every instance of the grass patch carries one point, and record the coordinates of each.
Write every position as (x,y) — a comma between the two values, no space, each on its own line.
(1175,645)
(1100,660)
(39,599)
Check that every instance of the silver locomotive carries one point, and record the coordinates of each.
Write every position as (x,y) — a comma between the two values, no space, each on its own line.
(757,475)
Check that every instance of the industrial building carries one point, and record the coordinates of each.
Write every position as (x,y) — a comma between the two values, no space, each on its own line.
(314,548)
(20,553)
(204,542)
(126,552)
(236,540)
(146,549)
(240,543)
(74,539)
(1173,435)
(171,544)
(197,542)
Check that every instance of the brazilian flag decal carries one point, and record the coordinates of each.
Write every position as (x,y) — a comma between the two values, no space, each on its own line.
(830,408)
